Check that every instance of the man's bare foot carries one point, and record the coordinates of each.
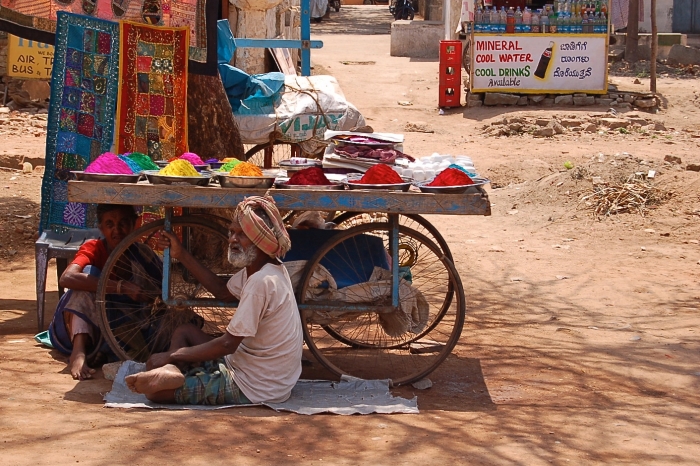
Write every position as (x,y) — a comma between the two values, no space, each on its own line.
(167,377)
(79,369)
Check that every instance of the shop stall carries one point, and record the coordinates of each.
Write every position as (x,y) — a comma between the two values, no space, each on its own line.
(538,47)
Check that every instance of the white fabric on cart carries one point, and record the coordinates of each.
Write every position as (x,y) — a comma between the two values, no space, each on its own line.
(349,396)
(308,106)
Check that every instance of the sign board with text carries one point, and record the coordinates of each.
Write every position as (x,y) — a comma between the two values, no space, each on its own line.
(28,58)
(541,63)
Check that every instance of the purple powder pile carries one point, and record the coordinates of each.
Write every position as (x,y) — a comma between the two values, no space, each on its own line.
(109,163)
(192,158)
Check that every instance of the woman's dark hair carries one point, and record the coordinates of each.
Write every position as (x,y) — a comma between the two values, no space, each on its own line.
(105,208)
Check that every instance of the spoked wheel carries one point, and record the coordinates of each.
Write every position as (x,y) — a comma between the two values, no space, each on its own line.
(137,326)
(403,344)
(467,56)
(270,154)
(414,221)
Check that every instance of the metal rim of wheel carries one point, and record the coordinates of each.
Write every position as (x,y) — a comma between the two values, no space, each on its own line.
(136,329)
(269,154)
(416,222)
(368,351)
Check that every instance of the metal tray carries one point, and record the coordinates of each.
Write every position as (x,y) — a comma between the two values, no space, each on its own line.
(155,178)
(353,184)
(199,168)
(475,187)
(250,182)
(282,184)
(113,178)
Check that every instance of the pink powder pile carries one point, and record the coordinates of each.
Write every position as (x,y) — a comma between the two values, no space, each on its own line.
(109,163)
(192,158)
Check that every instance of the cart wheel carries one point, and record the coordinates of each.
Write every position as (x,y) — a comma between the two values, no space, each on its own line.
(368,345)
(137,328)
(268,155)
(467,56)
(414,221)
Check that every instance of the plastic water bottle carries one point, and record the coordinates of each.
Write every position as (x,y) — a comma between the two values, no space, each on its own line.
(495,20)
(478,19)
(535,23)
(527,20)
(544,22)
(518,21)
(502,20)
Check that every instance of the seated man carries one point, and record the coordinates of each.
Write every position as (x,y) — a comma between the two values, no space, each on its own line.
(74,329)
(258,358)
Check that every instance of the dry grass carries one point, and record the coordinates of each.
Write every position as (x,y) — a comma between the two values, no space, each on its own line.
(635,194)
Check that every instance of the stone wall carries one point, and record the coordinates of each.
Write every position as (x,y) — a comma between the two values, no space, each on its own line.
(613,99)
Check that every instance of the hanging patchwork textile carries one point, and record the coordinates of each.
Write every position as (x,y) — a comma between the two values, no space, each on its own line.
(81,113)
(152,109)
(36,20)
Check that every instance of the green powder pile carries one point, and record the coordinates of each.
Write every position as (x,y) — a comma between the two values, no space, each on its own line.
(143,161)
(228,166)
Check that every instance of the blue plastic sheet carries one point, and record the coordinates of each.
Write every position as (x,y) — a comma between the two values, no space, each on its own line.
(248,94)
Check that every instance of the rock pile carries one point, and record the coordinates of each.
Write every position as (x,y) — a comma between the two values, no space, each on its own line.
(610,123)
(31,121)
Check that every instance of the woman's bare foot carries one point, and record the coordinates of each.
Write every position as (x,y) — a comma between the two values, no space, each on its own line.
(167,377)
(79,369)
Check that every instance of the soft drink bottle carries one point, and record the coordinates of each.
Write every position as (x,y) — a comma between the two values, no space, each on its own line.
(510,21)
(527,20)
(545,59)
(562,24)
(518,21)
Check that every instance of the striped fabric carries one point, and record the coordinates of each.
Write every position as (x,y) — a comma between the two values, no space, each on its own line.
(274,242)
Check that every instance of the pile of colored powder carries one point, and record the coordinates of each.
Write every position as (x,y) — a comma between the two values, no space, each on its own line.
(138,161)
(451,177)
(246,169)
(309,176)
(179,167)
(380,174)
(228,166)
(211,161)
(192,158)
(471,174)
(109,163)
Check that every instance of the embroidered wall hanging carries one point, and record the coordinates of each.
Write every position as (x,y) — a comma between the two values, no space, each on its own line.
(81,113)
(152,103)
(36,20)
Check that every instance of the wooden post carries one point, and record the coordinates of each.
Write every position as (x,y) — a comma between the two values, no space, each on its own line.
(632,41)
(654,47)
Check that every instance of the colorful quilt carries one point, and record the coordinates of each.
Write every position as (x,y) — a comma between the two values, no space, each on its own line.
(152,109)
(36,20)
(81,114)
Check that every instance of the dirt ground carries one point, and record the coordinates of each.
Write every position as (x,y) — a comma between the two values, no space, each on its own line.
(581,342)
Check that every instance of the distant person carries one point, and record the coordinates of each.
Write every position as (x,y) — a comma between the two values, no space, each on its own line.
(258,357)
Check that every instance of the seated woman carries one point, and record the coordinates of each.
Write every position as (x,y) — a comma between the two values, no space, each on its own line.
(74,329)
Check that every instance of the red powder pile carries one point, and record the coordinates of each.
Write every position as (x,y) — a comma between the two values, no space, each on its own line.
(451,177)
(380,174)
(309,176)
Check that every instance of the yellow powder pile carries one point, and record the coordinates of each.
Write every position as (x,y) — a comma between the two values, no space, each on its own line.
(179,167)
(246,169)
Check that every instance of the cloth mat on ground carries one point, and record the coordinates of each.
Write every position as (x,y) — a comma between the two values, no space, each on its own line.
(349,396)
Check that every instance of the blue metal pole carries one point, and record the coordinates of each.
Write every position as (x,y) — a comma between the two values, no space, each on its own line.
(165,292)
(394,251)
(305,37)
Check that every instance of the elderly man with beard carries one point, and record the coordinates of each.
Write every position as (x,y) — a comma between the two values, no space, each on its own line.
(258,358)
